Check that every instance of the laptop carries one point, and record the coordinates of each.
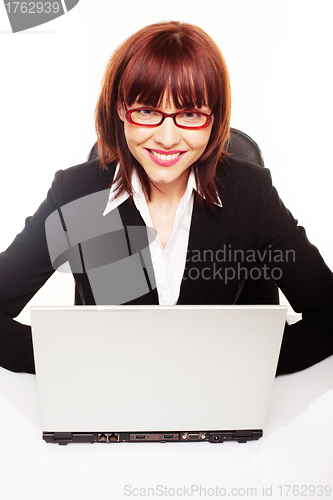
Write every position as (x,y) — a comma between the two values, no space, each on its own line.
(113,374)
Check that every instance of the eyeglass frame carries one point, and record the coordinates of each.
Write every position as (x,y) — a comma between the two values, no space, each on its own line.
(128,113)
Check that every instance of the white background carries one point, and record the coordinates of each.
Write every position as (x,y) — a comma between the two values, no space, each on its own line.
(279,54)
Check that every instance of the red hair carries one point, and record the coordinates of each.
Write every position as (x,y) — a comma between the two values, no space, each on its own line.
(175,60)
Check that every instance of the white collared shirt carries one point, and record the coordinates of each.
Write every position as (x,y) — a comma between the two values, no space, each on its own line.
(169,262)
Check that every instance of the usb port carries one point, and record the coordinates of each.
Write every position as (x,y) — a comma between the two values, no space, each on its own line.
(168,436)
(140,436)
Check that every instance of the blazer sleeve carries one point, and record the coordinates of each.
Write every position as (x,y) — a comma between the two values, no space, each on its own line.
(301,273)
(24,267)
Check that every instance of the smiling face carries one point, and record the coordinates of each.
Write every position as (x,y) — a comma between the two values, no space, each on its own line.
(165,152)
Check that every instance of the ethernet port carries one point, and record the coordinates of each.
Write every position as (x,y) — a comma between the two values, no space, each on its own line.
(102,438)
(113,437)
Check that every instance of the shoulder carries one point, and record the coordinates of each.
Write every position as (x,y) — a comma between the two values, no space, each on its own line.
(244,172)
(80,180)
(251,182)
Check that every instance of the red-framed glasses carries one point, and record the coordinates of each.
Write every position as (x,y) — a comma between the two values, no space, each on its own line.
(149,117)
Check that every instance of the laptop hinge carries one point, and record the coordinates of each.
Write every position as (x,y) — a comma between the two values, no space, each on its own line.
(243,436)
(68,437)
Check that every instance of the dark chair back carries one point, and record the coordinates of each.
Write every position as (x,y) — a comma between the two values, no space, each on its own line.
(241,146)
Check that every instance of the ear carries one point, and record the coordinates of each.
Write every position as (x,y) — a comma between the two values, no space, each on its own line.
(121,111)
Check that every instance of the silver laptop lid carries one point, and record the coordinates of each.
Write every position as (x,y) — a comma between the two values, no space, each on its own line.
(155,368)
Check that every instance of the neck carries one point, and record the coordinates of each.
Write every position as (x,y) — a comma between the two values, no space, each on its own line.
(171,192)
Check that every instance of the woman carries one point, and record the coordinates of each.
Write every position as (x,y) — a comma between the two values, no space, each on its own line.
(162,121)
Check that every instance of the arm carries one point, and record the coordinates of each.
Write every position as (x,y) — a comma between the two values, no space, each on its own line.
(304,278)
(24,267)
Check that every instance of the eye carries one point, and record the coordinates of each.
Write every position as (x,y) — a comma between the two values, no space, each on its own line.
(191,118)
(192,115)
(146,113)
(146,116)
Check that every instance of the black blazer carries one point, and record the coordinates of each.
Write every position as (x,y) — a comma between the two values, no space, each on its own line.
(252,231)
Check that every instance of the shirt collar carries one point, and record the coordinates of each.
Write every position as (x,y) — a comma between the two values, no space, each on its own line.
(114,202)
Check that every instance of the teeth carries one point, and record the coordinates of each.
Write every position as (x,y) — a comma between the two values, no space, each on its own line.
(164,157)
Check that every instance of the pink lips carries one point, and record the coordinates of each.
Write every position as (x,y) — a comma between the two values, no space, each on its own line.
(165,163)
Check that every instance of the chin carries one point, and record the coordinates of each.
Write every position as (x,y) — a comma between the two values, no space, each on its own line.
(162,180)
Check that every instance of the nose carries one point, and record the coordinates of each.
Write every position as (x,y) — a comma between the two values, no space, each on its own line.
(167,134)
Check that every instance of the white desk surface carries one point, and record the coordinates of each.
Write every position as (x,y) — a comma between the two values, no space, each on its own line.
(296,449)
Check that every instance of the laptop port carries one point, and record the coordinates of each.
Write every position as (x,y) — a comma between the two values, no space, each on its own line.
(154,436)
(193,436)
(113,437)
(168,436)
(102,438)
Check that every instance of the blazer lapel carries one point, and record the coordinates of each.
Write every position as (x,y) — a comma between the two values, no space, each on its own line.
(132,219)
(208,233)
